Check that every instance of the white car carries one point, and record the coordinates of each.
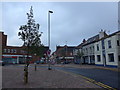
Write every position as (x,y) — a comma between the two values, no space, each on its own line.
(1,63)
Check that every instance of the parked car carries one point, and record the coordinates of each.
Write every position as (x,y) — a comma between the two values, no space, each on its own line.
(42,61)
(37,62)
(2,63)
(66,62)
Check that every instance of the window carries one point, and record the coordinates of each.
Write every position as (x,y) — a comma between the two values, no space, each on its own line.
(109,44)
(118,43)
(83,50)
(86,50)
(103,44)
(8,50)
(5,50)
(111,57)
(98,58)
(97,47)
(90,49)
(11,50)
(14,50)
(119,58)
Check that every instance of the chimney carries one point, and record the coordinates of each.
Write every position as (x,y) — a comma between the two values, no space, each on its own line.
(102,34)
(84,40)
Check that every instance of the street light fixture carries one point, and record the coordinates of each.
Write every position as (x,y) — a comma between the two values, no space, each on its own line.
(49,12)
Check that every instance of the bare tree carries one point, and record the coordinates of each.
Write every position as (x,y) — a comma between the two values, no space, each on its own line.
(30,35)
(80,55)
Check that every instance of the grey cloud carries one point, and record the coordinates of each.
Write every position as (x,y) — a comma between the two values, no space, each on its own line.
(70,21)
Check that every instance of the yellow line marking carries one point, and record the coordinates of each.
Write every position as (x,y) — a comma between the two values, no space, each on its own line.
(91,80)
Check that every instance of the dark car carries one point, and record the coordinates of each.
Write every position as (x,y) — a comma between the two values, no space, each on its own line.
(66,62)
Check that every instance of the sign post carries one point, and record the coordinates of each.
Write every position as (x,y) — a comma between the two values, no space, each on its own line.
(48,54)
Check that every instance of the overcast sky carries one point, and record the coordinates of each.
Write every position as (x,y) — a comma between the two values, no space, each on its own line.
(71,21)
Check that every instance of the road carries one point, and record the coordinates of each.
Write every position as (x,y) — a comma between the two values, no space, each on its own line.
(106,77)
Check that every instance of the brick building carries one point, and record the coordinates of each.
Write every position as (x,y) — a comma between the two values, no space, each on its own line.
(15,54)
(0,46)
(64,53)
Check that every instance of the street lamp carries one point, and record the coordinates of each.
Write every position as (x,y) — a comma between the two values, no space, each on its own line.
(49,12)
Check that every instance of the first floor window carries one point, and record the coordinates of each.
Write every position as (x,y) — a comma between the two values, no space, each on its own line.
(14,51)
(109,44)
(98,58)
(8,50)
(5,50)
(111,57)
(11,50)
(97,47)
(118,43)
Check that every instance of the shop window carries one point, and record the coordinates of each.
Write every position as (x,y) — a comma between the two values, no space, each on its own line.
(111,57)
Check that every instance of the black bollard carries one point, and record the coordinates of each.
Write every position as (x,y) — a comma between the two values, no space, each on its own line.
(26,74)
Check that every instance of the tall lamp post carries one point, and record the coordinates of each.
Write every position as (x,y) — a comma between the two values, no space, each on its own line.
(49,12)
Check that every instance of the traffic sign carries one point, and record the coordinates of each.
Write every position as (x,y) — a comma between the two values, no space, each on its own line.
(48,52)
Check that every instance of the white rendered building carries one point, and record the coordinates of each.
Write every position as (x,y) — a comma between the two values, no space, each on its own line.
(107,50)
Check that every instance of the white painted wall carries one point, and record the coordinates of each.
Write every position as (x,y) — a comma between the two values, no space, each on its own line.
(112,50)
(98,52)
(115,50)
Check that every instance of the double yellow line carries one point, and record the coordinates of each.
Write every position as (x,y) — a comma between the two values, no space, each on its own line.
(91,80)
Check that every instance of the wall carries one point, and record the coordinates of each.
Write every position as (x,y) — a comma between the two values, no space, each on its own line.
(89,52)
(113,50)
(0,45)
(98,52)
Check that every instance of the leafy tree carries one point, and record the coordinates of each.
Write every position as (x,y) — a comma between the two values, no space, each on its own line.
(38,50)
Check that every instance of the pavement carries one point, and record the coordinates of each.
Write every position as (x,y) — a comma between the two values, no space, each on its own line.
(0,77)
(12,77)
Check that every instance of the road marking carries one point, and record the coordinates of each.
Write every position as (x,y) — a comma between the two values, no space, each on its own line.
(91,80)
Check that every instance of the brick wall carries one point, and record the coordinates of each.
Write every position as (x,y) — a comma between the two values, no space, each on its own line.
(0,45)
(4,40)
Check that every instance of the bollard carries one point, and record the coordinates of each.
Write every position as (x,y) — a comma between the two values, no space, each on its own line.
(26,75)
(35,67)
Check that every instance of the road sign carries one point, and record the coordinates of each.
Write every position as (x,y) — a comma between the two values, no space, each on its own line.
(48,52)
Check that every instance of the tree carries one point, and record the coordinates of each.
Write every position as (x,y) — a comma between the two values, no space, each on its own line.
(30,35)
(80,55)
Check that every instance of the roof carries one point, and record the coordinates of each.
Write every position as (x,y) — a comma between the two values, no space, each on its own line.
(110,35)
(91,40)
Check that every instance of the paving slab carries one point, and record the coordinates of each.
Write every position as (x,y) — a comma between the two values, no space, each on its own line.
(12,77)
